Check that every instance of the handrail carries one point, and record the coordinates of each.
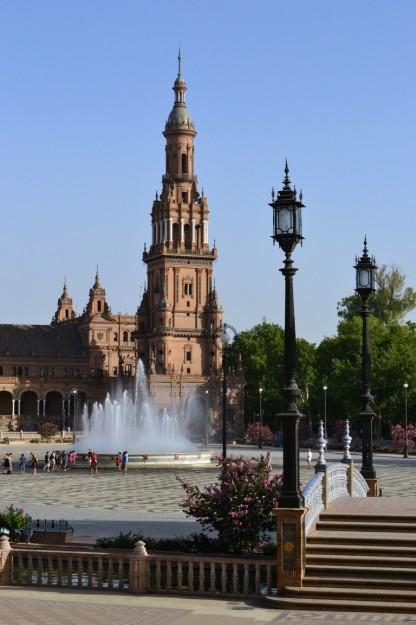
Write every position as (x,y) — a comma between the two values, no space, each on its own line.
(338,480)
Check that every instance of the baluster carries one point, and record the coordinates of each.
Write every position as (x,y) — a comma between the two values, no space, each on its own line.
(223,578)
(321,462)
(29,569)
(257,580)
(347,443)
(180,576)
(158,576)
(235,578)
(90,573)
(191,576)
(269,576)
(201,577)
(120,574)
(79,573)
(49,572)
(60,569)
(212,577)
(20,569)
(39,571)
(110,574)
(70,572)
(168,575)
(100,572)
(246,579)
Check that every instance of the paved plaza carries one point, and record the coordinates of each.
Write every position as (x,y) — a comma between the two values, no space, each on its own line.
(147,499)
(45,607)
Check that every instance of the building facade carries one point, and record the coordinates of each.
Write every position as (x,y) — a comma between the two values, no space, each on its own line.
(175,332)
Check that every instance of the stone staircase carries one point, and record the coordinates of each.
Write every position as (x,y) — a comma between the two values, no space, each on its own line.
(357,562)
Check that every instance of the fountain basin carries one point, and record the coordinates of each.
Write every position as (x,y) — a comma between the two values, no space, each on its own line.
(141,461)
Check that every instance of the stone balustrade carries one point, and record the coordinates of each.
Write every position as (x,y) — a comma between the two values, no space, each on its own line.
(136,571)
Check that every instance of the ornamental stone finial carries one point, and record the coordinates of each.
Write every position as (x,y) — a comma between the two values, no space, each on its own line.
(347,443)
(321,462)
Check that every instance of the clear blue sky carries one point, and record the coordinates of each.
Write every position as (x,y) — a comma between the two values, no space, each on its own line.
(84,95)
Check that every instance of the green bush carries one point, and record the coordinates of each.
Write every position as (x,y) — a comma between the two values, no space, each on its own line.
(195,543)
(47,430)
(34,440)
(6,440)
(14,519)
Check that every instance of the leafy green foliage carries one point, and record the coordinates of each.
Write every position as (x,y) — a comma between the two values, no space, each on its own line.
(391,302)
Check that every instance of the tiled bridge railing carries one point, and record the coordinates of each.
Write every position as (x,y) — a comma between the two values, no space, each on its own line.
(136,571)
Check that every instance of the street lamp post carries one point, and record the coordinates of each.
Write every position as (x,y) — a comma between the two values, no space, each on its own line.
(225,339)
(260,419)
(365,268)
(287,232)
(405,442)
(74,394)
(325,388)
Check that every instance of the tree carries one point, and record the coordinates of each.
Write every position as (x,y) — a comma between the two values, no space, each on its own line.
(262,350)
(391,302)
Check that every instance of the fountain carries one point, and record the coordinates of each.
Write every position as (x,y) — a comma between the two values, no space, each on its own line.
(152,437)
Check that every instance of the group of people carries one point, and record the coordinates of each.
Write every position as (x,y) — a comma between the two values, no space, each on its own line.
(59,460)
(122,459)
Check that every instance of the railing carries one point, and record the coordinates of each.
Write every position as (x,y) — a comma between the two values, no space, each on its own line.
(314,500)
(210,575)
(337,480)
(69,569)
(135,571)
(51,526)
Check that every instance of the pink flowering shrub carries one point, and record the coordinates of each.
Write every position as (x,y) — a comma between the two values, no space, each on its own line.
(239,505)
(253,431)
(397,434)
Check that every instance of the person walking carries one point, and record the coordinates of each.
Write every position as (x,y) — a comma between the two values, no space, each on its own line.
(309,458)
(124,462)
(46,463)
(94,463)
(22,464)
(7,464)
(34,461)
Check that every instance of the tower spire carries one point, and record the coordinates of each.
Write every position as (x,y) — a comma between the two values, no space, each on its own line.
(179,62)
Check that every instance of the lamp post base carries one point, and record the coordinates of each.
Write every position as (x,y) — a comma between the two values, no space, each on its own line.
(372,487)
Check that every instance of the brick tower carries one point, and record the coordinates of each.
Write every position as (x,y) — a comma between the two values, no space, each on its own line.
(179,319)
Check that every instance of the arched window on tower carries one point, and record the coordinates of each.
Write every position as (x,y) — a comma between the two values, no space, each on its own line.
(125,337)
(198,236)
(184,162)
(175,233)
(99,306)
(188,237)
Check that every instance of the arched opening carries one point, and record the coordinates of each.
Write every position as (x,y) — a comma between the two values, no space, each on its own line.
(53,404)
(188,237)
(29,403)
(175,235)
(5,403)
(184,163)
(125,337)
(99,306)
(198,236)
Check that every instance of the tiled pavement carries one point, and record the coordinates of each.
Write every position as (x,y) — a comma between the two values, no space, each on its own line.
(157,491)
(45,607)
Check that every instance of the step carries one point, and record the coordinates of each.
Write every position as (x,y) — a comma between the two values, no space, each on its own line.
(379,549)
(382,518)
(350,594)
(361,561)
(366,526)
(322,605)
(358,538)
(362,573)
(358,582)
